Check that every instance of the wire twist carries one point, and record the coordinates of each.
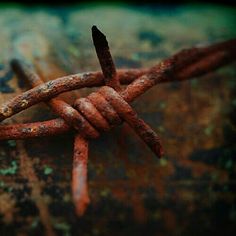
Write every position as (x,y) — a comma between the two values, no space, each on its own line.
(109,109)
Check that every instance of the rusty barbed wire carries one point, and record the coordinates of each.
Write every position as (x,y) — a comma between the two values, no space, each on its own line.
(106,108)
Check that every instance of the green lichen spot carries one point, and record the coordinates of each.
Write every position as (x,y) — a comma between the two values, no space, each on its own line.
(229,164)
(161,129)
(11,143)
(73,51)
(163,162)
(194,83)
(208,130)
(162,105)
(9,189)
(10,170)
(2,184)
(47,170)
(35,223)
(105,192)
(63,226)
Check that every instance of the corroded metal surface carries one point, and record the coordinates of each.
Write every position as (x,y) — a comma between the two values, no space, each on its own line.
(131,191)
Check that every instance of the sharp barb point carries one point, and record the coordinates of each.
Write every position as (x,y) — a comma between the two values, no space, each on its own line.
(99,39)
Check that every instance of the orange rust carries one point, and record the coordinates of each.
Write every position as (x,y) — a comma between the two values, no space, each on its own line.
(166,71)
(91,113)
(104,107)
(79,175)
(130,116)
(71,116)
(109,105)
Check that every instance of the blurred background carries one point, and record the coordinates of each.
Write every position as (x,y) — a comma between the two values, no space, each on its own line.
(190,191)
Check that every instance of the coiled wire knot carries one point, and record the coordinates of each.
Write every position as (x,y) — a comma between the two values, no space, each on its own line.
(98,112)
(106,108)
(102,110)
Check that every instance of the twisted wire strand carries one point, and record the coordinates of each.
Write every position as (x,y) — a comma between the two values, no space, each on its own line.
(106,108)
(164,72)
(186,64)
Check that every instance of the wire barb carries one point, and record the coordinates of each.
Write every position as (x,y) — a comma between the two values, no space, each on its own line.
(105,58)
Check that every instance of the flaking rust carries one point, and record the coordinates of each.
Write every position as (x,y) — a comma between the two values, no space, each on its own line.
(106,108)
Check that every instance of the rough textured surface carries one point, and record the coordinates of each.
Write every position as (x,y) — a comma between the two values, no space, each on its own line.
(132,193)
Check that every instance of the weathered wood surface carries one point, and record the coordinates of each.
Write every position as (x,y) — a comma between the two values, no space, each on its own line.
(190,191)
